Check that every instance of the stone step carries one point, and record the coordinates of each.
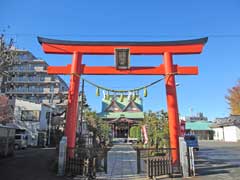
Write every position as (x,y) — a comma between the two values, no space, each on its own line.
(122,177)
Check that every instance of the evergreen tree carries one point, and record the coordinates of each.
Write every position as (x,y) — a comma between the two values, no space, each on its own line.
(98,127)
(157,124)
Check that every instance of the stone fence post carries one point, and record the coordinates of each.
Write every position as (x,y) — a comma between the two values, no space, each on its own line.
(62,156)
(183,157)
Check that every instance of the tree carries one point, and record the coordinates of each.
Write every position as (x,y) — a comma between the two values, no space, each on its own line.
(6,112)
(8,56)
(98,127)
(233,99)
(135,132)
(157,125)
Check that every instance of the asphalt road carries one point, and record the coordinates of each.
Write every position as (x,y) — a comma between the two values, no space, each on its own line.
(218,160)
(29,164)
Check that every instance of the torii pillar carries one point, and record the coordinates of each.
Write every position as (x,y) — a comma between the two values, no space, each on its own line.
(71,122)
(168,69)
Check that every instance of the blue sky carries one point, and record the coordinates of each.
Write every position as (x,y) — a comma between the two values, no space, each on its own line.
(138,20)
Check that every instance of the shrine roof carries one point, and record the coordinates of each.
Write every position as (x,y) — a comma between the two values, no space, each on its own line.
(114,115)
(123,104)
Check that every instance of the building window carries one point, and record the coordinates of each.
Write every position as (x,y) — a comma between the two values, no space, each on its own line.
(15,68)
(25,78)
(31,67)
(30,115)
(42,78)
(51,88)
(40,88)
(20,78)
(30,78)
(32,88)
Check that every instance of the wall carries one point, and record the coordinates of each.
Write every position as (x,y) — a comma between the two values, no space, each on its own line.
(32,126)
(20,105)
(230,133)
(238,133)
(218,134)
(43,118)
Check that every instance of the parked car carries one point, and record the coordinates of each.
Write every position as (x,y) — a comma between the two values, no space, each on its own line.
(20,141)
(192,141)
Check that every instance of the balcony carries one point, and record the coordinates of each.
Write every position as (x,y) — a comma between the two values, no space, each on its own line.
(33,91)
(27,70)
(55,101)
(33,80)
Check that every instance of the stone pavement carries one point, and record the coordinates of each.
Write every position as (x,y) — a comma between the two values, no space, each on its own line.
(122,163)
(122,160)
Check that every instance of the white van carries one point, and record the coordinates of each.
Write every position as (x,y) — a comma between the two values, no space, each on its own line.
(20,141)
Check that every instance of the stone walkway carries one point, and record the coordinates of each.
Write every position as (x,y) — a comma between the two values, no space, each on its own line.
(122,163)
(122,160)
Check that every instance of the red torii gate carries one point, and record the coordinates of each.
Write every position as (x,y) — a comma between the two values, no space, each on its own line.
(165,48)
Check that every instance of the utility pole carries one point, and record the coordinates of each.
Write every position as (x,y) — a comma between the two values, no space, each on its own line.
(81,117)
(50,119)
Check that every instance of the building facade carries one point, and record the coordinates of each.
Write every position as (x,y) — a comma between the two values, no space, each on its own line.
(227,129)
(121,113)
(30,118)
(29,80)
(201,129)
(197,117)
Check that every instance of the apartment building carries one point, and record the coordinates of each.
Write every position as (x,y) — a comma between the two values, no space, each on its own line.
(29,80)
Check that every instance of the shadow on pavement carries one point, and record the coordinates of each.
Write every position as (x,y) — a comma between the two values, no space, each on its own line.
(206,167)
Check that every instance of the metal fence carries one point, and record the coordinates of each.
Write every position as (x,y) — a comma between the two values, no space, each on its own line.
(81,166)
(86,161)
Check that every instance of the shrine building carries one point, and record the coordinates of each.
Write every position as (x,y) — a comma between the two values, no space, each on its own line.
(122,113)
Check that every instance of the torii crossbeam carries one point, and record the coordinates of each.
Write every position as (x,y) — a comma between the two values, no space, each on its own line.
(165,48)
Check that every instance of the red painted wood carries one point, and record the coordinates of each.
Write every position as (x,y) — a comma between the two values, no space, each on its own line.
(109,70)
(166,49)
(134,50)
(173,116)
(71,120)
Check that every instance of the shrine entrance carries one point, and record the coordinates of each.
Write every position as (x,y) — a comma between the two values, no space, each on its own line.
(122,52)
(121,127)
(121,130)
